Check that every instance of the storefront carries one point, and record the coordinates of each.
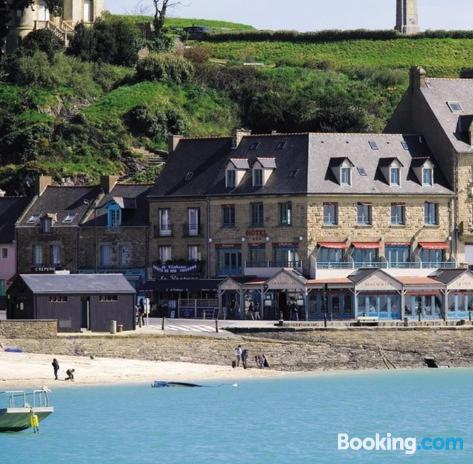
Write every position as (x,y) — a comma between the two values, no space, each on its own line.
(458,292)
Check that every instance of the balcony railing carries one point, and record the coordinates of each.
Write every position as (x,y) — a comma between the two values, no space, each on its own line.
(386,265)
(164,231)
(191,230)
(274,264)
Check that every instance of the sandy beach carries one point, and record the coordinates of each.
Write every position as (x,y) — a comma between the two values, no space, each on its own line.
(26,370)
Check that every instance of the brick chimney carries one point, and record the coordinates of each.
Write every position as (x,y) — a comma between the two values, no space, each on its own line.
(417,78)
(42,183)
(173,142)
(108,182)
(239,134)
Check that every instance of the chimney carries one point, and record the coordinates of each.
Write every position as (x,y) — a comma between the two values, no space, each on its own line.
(417,78)
(239,134)
(42,183)
(108,182)
(173,142)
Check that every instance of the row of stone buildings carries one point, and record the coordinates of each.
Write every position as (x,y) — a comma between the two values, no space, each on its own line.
(228,214)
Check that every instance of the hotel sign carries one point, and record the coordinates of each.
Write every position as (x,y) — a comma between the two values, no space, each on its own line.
(256,235)
(379,282)
(176,269)
(464,282)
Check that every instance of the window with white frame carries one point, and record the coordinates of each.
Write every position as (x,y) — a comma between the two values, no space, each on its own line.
(427,176)
(395,176)
(345,176)
(257,177)
(431,216)
(165,253)
(164,222)
(330,214)
(46,224)
(38,258)
(193,253)
(55,251)
(398,214)
(193,216)
(364,214)
(124,255)
(106,255)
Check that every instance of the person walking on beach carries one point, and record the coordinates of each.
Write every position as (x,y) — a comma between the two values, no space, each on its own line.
(55,365)
(244,358)
(34,421)
(265,361)
(238,355)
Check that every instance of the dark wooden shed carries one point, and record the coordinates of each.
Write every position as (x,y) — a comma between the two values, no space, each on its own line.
(77,301)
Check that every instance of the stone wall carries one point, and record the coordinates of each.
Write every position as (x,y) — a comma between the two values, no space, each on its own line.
(34,329)
(301,351)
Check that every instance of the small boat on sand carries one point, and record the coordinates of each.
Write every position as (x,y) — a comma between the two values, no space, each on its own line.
(163,384)
(20,405)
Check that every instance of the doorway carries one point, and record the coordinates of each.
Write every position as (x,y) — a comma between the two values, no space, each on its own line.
(85,322)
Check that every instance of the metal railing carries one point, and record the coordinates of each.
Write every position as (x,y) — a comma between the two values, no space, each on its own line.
(191,230)
(386,265)
(271,264)
(197,309)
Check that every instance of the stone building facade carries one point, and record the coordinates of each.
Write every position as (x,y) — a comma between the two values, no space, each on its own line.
(38,16)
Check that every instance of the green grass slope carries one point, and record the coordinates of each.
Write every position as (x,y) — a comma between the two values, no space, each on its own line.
(441,57)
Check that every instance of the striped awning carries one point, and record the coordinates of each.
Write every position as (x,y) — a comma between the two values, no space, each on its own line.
(337,245)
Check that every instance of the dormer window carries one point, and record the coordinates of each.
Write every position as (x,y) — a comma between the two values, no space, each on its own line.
(114,216)
(46,225)
(455,107)
(427,176)
(345,176)
(257,177)
(230,178)
(395,176)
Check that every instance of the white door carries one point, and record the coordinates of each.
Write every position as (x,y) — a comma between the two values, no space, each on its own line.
(88,11)
(43,13)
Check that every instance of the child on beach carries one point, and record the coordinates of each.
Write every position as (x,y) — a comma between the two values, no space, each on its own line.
(34,421)
(238,352)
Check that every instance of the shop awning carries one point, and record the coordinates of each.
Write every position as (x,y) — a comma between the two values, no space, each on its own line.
(184,285)
(398,244)
(337,245)
(366,245)
(434,245)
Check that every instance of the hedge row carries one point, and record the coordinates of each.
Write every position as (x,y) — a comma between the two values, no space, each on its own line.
(329,36)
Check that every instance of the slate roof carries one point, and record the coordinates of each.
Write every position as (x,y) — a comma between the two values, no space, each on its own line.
(131,197)
(447,275)
(11,209)
(437,93)
(61,202)
(77,283)
(305,165)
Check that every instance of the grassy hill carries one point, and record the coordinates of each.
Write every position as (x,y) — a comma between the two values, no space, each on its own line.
(441,57)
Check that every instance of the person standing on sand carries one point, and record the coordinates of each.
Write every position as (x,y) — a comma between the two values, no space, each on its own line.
(244,358)
(55,365)
(238,352)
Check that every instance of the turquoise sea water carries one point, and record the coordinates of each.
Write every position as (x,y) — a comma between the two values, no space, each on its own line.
(292,421)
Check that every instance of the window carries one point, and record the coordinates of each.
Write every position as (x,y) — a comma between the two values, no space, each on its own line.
(364,257)
(114,216)
(33,219)
(165,253)
(427,177)
(257,215)
(46,224)
(395,177)
(397,255)
(164,220)
(108,298)
(330,214)
(193,253)
(4,253)
(124,257)
(38,255)
(286,257)
(285,214)
(398,214)
(106,252)
(257,177)
(3,287)
(431,258)
(69,218)
(455,107)
(256,256)
(230,178)
(345,177)
(228,215)
(193,226)
(431,214)
(364,214)
(373,145)
(362,172)
(57,299)
(330,255)
(55,251)
(229,262)
(405,145)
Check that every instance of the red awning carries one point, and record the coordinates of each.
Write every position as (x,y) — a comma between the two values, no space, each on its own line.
(338,245)
(406,244)
(366,245)
(434,245)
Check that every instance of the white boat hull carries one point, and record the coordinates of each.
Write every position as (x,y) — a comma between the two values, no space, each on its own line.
(18,419)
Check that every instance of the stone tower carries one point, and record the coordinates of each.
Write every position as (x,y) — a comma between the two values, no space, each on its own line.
(407,18)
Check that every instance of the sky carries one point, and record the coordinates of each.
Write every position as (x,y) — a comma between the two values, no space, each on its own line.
(310,15)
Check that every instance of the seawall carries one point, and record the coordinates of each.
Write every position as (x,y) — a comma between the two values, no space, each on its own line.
(288,351)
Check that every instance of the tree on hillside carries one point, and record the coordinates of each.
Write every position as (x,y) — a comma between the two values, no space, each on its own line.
(9,7)
(161,8)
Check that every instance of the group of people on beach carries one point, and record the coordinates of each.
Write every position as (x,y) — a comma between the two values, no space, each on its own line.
(69,372)
(242,355)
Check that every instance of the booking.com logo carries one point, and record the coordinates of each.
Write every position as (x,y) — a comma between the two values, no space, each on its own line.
(408,445)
